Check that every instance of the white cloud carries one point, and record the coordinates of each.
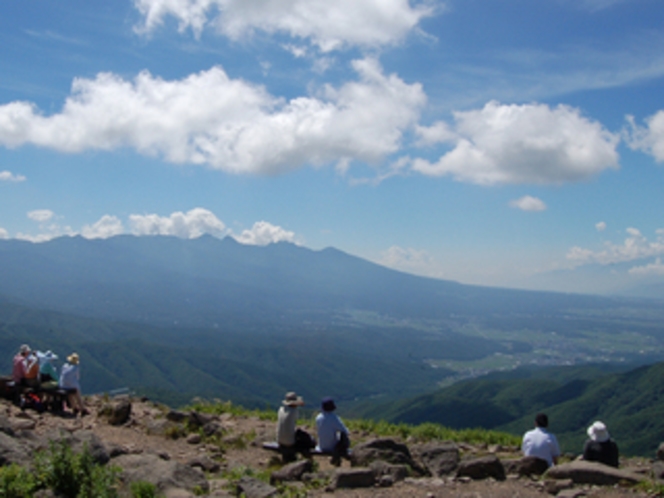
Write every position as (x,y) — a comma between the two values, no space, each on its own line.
(518,144)
(327,25)
(4,234)
(41,215)
(656,268)
(107,226)
(408,260)
(600,227)
(189,225)
(264,233)
(208,118)
(528,203)
(635,246)
(8,176)
(649,139)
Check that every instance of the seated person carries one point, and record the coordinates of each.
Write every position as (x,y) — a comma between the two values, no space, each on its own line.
(47,373)
(70,381)
(540,443)
(332,433)
(25,371)
(290,439)
(600,447)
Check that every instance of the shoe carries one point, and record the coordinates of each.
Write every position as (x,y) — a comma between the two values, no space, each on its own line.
(336,461)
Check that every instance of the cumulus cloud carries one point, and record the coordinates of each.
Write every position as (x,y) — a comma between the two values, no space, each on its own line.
(521,144)
(600,227)
(107,226)
(649,138)
(41,215)
(211,119)
(264,233)
(528,203)
(327,25)
(656,268)
(635,246)
(189,225)
(4,234)
(8,176)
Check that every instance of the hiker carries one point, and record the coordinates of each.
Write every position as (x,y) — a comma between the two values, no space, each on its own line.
(600,447)
(540,443)
(70,381)
(47,373)
(290,439)
(332,433)
(25,370)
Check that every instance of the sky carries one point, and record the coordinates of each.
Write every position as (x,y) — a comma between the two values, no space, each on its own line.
(511,143)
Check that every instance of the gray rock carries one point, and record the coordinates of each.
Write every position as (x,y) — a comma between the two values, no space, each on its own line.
(660,452)
(194,438)
(120,412)
(394,471)
(526,466)
(385,449)
(176,416)
(555,486)
(571,493)
(440,459)
(482,468)
(164,474)
(255,488)
(203,463)
(13,451)
(292,472)
(658,469)
(583,472)
(353,478)
(197,419)
(5,426)
(80,440)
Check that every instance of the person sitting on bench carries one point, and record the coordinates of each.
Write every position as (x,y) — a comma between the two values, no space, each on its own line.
(26,368)
(292,440)
(70,381)
(332,433)
(47,373)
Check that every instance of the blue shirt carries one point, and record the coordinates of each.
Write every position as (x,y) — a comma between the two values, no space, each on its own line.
(328,425)
(69,377)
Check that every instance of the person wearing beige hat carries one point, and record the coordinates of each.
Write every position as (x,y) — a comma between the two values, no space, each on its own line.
(291,439)
(70,380)
(600,447)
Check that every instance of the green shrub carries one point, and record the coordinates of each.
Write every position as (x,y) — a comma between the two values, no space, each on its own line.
(143,489)
(74,474)
(16,482)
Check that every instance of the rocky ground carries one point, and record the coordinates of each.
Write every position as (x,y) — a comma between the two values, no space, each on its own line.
(223,456)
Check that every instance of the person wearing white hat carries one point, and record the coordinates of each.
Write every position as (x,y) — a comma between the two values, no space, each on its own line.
(600,447)
(70,376)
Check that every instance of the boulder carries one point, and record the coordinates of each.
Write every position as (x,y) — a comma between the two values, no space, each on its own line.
(13,451)
(660,452)
(583,472)
(658,469)
(250,487)
(204,463)
(176,416)
(78,441)
(393,471)
(482,468)
(292,472)
(5,426)
(164,474)
(439,459)
(120,412)
(197,419)
(353,478)
(385,449)
(526,466)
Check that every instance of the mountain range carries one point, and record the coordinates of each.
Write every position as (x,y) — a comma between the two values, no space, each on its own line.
(210,317)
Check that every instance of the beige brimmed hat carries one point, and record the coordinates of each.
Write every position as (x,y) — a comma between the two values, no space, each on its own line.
(24,349)
(293,399)
(598,432)
(73,358)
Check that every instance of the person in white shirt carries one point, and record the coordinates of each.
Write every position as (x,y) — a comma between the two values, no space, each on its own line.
(332,433)
(540,443)
(291,439)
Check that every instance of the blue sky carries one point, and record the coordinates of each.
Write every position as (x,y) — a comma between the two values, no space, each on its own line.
(513,143)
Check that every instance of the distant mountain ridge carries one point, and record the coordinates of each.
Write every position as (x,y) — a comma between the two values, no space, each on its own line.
(166,280)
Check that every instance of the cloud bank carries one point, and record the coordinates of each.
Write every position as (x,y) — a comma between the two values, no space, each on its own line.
(635,246)
(327,25)
(231,125)
(518,144)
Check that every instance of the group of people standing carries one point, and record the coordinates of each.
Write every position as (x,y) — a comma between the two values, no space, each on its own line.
(36,370)
(599,447)
(332,433)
